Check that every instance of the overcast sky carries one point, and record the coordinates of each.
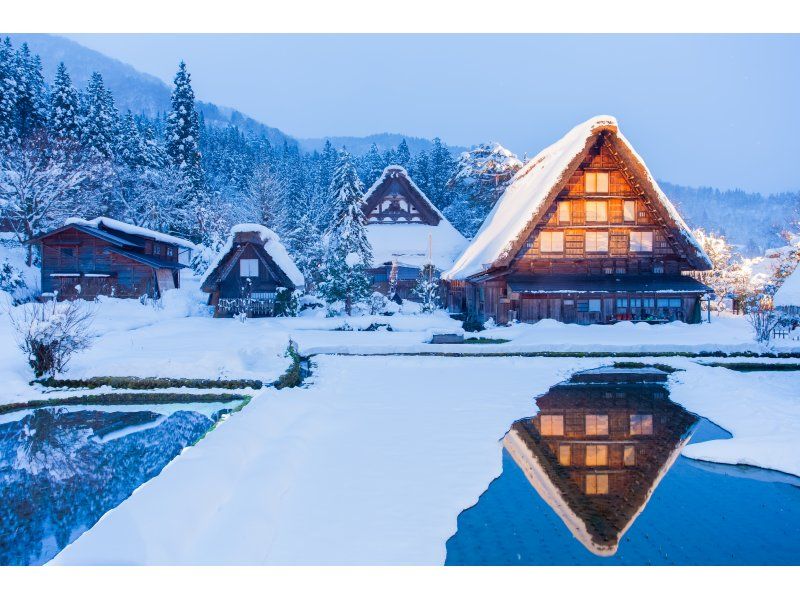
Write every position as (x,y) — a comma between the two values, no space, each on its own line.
(703,110)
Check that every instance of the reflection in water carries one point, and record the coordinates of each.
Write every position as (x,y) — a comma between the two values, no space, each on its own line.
(60,470)
(596,455)
(596,478)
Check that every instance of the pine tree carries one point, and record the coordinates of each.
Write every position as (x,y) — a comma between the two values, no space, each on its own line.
(30,113)
(402,155)
(130,147)
(348,252)
(8,93)
(427,288)
(64,120)
(304,243)
(441,168)
(99,119)
(371,165)
(419,170)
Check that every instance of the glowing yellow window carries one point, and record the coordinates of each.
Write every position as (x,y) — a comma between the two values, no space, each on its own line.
(596,455)
(595,182)
(596,483)
(596,211)
(596,425)
(552,425)
(565,454)
(551,241)
(564,211)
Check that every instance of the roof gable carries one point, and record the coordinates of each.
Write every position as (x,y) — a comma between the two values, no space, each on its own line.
(395,199)
(536,186)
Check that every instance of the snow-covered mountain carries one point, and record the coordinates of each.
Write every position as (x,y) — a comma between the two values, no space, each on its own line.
(132,89)
(384,141)
(487,163)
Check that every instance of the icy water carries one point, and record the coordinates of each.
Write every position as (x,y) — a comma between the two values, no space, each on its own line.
(596,478)
(61,469)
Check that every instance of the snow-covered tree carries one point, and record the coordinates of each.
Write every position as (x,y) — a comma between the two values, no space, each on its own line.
(30,110)
(371,165)
(304,243)
(427,288)
(441,168)
(65,118)
(348,252)
(8,93)
(99,119)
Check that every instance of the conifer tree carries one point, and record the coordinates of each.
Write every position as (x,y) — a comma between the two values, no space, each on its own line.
(371,165)
(441,168)
(348,253)
(130,148)
(64,120)
(8,93)
(402,155)
(419,169)
(99,119)
(30,113)
(427,288)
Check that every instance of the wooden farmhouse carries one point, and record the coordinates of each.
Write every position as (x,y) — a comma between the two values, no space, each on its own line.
(87,258)
(249,272)
(596,457)
(583,234)
(406,231)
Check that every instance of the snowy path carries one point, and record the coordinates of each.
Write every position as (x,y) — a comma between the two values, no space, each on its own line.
(374,462)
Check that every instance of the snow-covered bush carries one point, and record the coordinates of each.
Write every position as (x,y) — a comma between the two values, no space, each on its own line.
(427,288)
(11,278)
(287,302)
(51,333)
(377,303)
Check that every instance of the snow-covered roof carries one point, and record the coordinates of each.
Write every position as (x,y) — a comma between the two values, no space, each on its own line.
(272,245)
(789,292)
(397,169)
(407,243)
(529,189)
(130,229)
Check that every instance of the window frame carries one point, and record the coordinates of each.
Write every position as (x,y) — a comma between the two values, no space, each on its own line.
(249,261)
(596,455)
(565,206)
(626,204)
(596,204)
(591,182)
(596,235)
(551,235)
(594,428)
(639,245)
(641,424)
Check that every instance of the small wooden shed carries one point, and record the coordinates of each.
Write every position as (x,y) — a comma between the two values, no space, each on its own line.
(103,256)
(249,272)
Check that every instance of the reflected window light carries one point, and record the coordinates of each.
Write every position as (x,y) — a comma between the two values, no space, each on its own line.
(552,425)
(596,454)
(641,425)
(597,483)
(597,425)
(565,454)
(629,456)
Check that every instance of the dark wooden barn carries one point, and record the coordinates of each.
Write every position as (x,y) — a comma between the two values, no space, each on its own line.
(583,235)
(249,273)
(406,231)
(87,258)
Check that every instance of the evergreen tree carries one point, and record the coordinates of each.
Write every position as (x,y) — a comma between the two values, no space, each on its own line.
(64,121)
(419,170)
(402,155)
(130,148)
(8,93)
(348,252)
(427,288)
(304,243)
(441,169)
(30,113)
(99,119)
(371,165)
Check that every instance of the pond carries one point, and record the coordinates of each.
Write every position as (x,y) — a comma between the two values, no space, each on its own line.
(61,469)
(596,478)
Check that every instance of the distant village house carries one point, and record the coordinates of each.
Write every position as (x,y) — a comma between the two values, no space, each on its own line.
(583,234)
(87,258)
(249,273)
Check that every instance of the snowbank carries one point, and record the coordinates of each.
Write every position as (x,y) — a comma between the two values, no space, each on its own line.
(789,293)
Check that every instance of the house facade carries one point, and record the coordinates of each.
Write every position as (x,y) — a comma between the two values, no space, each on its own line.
(87,258)
(583,234)
(249,272)
(406,231)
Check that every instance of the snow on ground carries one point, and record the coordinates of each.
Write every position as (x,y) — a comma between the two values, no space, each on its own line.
(373,463)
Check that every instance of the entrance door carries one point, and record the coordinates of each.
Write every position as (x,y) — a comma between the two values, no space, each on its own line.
(569,313)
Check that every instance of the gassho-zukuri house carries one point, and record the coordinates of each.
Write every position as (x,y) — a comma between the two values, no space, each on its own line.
(583,234)
(249,271)
(87,258)
(403,228)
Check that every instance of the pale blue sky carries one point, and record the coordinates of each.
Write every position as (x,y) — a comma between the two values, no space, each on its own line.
(717,110)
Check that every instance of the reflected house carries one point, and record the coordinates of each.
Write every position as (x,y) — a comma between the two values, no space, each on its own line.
(596,454)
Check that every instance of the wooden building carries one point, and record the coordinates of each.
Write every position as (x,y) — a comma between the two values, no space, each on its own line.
(406,231)
(583,234)
(87,258)
(596,453)
(249,273)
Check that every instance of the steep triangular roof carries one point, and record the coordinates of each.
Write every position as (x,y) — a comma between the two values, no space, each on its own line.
(272,253)
(395,180)
(538,183)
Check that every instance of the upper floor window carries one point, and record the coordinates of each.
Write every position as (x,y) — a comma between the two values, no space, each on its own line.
(248,268)
(629,210)
(170,251)
(564,454)
(596,454)
(156,249)
(552,425)
(596,425)
(596,211)
(629,456)
(641,425)
(596,240)
(564,211)
(596,483)
(551,241)
(596,182)
(641,240)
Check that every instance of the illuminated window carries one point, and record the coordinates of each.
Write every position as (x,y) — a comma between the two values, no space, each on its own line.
(565,454)
(642,240)
(597,241)
(641,425)
(596,211)
(597,483)
(564,211)
(596,425)
(596,182)
(248,267)
(596,454)
(629,456)
(629,211)
(552,425)
(551,241)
